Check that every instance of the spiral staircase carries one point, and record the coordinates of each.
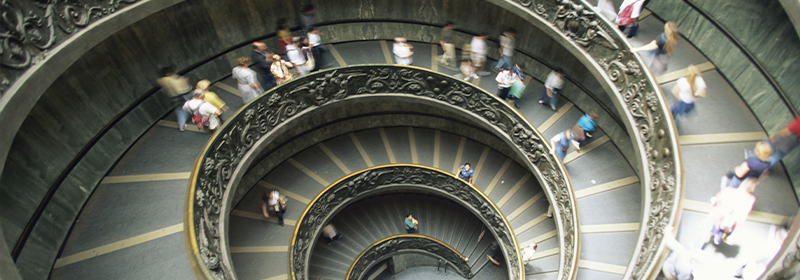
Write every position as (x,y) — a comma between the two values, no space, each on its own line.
(131,226)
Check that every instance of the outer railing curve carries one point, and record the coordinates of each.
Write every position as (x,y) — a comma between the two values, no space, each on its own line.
(406,243)
(605,52)
(223,156)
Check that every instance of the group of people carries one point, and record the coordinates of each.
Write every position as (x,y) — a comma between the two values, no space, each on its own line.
(204,106)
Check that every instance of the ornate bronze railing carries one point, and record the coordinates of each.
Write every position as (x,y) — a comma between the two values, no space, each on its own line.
(605,52)
(403,244)
(222,161)
(379,179)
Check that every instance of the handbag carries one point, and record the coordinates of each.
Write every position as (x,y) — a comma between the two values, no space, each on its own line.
(625,15)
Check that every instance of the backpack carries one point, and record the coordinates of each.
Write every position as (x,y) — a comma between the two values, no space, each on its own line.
(624,16)
(199,119)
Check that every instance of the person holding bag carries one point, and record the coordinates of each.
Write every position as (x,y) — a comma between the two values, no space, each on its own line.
(628,17)
(280,69)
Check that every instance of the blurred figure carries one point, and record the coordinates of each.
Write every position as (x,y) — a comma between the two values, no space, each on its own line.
(212,97)
(246,80)
(758,263)
(560,143)
(410,224)
(495,255)
(263,59)
(465,172)
(273,201)
(315,45)
(680,262)
(606,9)
(753,167)
(307,21)
(784,141)
(507,41)
(280,68)
(518,87)
(628,17)
(178,90)
(528,252)
(552,88)
(284,36)
(478,53)
(402,51)
(686,89)
(661,48)
(204,115)
(448,43)
(731,207)
(583,129)
(467,69)
(297,57)
(330,232)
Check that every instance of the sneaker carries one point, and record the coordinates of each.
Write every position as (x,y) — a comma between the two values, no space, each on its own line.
(541,104)
(474,76)
(182,129)
(553,107)
(466,79)
(717,239)
(280,222)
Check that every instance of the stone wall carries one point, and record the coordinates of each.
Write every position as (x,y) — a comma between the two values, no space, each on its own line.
(764,29)
(92,105)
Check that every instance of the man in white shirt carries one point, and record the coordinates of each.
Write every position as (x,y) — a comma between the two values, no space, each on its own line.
(205,109)
(296,56)
(552,88)
(315,42)
(507,40)
(504,81)
(478,53)
(402,51)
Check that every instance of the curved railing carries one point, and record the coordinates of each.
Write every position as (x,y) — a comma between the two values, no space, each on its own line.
(406,243)
(220,164)
(605,52)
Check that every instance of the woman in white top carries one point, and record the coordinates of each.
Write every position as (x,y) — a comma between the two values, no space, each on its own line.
(280,69)
(247,80)
(402,51)
(686,89)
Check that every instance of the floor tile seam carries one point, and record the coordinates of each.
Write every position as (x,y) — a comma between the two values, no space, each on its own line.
(721,138)
(525,206)
(334,158)
(546,253)
(605,187)
(539,239)
(602,267)
(553,119)
(173,124)
(336,55)
(258,249)
(587,149)
(513,190)
(755,216)
(260,217)
(290,194)
(497,177)
(386,54)
(228,88)
(119,245)
(387,145)
(605,228)
(146,178)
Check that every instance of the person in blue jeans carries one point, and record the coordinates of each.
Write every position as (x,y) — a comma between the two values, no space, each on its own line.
(465,172)
(560,144)
(552,88)
(507,40)
(178,90)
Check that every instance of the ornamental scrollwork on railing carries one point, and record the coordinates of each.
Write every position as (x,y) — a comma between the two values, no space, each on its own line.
(406,243)
(258,118)
(28,29)
(579,23)
(374,180)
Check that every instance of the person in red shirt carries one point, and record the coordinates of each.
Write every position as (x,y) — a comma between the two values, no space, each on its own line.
(784,141)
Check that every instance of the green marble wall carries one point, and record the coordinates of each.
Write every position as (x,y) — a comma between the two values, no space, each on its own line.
(111,76)
(765,30)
